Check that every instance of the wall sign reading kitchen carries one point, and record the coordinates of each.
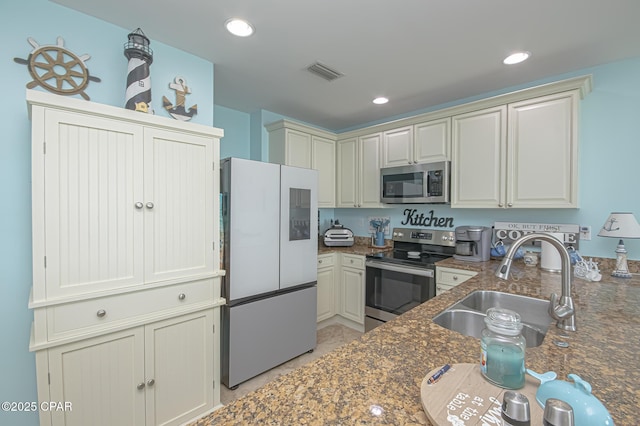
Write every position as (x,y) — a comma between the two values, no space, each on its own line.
(413,218)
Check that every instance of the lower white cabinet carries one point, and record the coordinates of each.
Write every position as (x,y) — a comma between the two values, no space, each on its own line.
(162,373)
(352,288)
(326,286)
(341,286)
(447,278)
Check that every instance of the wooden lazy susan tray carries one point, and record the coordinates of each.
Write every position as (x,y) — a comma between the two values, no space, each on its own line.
(462,397)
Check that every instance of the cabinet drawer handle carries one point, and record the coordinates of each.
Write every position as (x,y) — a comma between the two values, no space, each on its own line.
(150,382)
(139,205)
(149,205)
(182,296)
(140,385)
(101,313)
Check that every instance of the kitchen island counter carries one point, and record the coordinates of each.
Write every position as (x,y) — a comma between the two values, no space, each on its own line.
(376,379)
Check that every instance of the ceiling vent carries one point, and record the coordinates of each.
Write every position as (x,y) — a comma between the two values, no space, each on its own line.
(324,71)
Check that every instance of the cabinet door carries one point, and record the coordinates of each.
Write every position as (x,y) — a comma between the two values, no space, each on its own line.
(397,147)
(369,177)
(352,294)
(100,376)
(324,161)
(432,141)
(326,293)
(347,171)
(543,153)
(93,174)
(298,149)
(178,199)
(179,368)
(478,165)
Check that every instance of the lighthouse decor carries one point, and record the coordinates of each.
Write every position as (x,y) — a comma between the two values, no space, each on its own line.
(140,56)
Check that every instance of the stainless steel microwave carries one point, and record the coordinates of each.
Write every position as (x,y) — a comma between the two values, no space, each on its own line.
(416,184)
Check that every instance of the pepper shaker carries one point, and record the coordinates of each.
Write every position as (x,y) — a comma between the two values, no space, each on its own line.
(515,409)
(557,413)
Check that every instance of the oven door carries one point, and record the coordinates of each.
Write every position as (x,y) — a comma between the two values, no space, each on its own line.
(392,290)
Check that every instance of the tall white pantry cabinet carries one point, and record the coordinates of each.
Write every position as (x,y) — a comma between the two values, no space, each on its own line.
(126,270)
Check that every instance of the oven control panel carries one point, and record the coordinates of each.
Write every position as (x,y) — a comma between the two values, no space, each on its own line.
(425,236)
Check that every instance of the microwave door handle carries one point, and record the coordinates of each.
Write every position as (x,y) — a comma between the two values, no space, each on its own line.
(427,186)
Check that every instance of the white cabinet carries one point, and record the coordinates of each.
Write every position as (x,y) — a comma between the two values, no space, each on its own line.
(158,374)
(432,141)
(447,278)
(301,146)
(326,286)
(352,287)
(358,164)
(125,263)
(520,155)
(397,147)
(420,143)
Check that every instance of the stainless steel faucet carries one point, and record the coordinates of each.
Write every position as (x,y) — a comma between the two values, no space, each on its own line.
(564,312)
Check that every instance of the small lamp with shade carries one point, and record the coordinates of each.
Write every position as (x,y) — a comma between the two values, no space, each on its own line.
(621,225)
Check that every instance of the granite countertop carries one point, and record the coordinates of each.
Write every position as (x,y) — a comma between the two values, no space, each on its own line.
(385,367)
(362,247)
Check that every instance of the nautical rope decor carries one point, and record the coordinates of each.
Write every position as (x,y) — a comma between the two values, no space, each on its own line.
(140,56)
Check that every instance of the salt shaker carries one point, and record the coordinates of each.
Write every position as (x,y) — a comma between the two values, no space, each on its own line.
(557,413)
(515,409)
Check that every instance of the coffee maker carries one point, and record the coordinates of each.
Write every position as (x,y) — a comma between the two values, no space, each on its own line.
(473,243)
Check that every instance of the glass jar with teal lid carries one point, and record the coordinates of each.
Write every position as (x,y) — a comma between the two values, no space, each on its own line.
(503,349)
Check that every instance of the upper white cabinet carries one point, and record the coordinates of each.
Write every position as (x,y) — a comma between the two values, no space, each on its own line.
(519,155)
(432,141)
(119,204)
(478,163)
(420,143)
(301,146)
(358,164)
(397,147)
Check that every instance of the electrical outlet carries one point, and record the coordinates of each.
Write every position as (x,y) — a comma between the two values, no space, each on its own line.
(585,233)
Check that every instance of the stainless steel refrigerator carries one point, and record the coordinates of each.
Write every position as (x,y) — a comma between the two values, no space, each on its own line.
(270,221)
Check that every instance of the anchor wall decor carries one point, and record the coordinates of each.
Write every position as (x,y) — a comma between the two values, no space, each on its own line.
(178,110)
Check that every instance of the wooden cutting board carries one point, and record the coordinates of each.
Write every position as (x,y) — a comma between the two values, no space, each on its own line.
(462,397)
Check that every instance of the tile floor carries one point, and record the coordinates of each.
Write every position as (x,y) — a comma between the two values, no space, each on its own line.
(329,338)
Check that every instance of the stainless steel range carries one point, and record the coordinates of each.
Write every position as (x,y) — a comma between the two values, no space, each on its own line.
(400,280)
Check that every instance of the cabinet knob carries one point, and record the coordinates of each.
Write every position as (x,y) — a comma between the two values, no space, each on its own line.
(415,162)
(455,278)
(101,313)
(182,296)
(139,205)
(149,205)
(140,385)
(320,261)
(439,288)
(510,205)
(500,205)
(360,273)
(150,382)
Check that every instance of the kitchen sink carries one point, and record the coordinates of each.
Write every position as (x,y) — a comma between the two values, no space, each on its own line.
(467,315)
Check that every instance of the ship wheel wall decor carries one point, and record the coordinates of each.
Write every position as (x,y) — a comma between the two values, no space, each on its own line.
(57,69)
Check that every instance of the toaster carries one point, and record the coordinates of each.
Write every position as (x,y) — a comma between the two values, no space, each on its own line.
(338,236)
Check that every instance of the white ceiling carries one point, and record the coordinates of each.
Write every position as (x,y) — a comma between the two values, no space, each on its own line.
(418,53)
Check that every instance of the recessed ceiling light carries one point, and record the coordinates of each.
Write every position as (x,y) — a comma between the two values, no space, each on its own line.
(516,58)
(239,27)
(381,100)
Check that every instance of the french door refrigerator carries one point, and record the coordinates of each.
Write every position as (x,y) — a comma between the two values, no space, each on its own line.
(269,214)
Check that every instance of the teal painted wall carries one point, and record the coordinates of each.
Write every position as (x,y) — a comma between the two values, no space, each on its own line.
(237,132)
(45,21)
